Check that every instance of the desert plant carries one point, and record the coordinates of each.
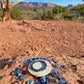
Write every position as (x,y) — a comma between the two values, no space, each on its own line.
(15,14)
(1,14)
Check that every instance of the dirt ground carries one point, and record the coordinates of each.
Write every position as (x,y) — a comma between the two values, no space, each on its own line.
(59,40)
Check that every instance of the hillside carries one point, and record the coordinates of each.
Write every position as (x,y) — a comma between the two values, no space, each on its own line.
(36,4)
(62,40)
(39,5)
(29,13)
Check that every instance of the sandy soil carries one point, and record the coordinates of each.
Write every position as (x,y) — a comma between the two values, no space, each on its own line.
(59,40)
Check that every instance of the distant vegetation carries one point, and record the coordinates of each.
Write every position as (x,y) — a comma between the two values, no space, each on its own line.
(57,13)
(15,14)
(1,13)
(21,12)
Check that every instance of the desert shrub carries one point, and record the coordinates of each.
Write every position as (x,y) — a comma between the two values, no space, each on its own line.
(1,14)
(15,14)
(60,9)
(56,13)
(79,9)
(35,10)
(38,16)
(69,17)
(79,13)
(44,16)
(49,16)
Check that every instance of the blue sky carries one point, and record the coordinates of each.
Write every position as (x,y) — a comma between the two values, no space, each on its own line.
(58,2)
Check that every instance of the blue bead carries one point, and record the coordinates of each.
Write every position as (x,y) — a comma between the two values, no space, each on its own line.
(25,62)
(47,77)
(57,81)
(55,61)
(45,59)
(18,70)
(31,82)
(20,65)
(63,66)
(65,83)
(14,73)
(59,78)
(54,73)
(30,60)
(27,82)
(39,82)
(45,65)
(22,77)
(33,58)
(52,63)
(37,57)
(63,79)
(17,77)
(21,61)
(47,81)
(56,66)
(19,74)
(43,83)
(43,80)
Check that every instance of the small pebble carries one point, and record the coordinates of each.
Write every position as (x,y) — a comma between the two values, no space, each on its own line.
(28,54)
(23,55)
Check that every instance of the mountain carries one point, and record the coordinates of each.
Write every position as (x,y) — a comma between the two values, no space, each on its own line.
(70,6)
(21,3)
(37,4)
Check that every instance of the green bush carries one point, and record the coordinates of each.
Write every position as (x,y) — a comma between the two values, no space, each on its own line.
(49,16)
(15,14)
(60,10)
(69,17)
(1,14)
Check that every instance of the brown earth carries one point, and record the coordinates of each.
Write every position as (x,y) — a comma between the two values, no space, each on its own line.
(59,40)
